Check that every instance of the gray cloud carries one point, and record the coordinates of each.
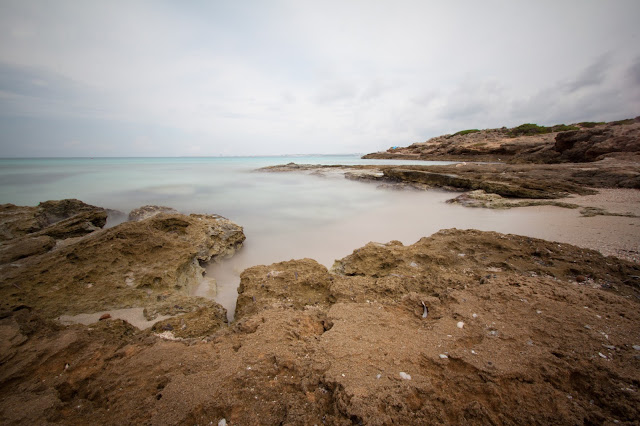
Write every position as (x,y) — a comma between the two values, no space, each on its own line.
(594,75)
(634,72)
(140,78)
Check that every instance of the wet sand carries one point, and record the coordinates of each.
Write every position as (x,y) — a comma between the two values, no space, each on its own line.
(416,214)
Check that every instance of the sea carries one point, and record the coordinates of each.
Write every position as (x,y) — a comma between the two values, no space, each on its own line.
(285,215)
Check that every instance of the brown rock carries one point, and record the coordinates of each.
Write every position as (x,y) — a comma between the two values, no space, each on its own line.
(590,143)
(58,219)
(104,317)
(125,264)
(20,248)
(524,355)
(146,212)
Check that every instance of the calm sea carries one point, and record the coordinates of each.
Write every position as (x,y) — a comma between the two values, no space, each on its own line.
(285,215)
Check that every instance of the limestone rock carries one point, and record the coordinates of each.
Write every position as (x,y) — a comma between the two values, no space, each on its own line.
(21,248)
(128,265)
(593,141)
(528,352)
(295,283)
(62,219)
(145,212)
(589,145)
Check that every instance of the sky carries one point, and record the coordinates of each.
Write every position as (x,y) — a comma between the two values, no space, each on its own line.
(272,77)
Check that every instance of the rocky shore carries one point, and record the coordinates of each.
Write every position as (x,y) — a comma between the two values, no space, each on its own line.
(99,325)
(461,327)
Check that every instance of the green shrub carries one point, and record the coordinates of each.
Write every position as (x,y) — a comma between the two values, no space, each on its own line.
(623,122)
(590,124)
(563,128)
(528,129)
(465,132)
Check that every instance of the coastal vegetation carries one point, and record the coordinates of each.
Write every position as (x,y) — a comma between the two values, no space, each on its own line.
(590,124)
(465,132)
(530,129)
(623,122)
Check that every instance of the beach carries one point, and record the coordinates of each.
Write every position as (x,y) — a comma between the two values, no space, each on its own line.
(277,292)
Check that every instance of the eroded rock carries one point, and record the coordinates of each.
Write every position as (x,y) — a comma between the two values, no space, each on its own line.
(529,350)
(129,265)
(146,212)
(59,219)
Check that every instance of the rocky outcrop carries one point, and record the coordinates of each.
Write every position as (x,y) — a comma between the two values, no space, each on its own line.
(134,264)
(145,212)
(456,182)
(589,145)
(464,327)
(581,142)
(59,219)
(292,284)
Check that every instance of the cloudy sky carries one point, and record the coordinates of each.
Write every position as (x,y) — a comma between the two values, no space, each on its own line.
(182,78)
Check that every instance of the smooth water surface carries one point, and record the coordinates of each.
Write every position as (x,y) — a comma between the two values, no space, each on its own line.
(285,215)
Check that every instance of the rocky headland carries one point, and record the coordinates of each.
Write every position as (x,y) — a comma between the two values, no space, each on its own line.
(504,168)
(528,143)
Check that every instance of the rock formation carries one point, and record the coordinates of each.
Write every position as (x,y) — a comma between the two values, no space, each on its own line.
(464,327)
(145,212)
(585,142)
(135,264)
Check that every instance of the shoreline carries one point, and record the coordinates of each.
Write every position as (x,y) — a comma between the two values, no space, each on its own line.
(452,316)
(581,223)
(460,326)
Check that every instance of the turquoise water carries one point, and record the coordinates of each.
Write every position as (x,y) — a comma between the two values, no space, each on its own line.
(285,215)
(190,184)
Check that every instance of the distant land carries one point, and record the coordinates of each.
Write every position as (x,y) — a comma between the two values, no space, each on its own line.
(528,143)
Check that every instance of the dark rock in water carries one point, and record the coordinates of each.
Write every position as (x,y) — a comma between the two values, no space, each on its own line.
(453,181)
(145,212)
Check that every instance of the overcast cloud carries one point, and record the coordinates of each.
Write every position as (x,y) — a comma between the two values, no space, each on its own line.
(154,78)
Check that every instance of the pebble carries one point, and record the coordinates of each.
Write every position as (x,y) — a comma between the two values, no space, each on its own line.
(460,324)
(222,422)
(602,355)
(104,317)
(636,347)
(405,376)
(443,356)
(378,376)
(474,315)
